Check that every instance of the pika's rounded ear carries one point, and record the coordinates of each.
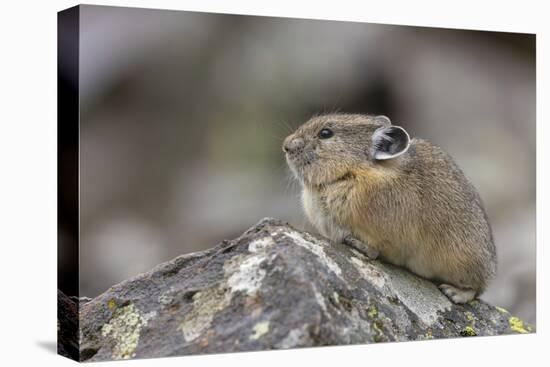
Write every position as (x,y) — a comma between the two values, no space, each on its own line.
(384,120)
(389,142)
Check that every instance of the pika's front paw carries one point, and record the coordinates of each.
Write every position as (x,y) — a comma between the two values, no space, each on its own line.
(458,295)
(362,247)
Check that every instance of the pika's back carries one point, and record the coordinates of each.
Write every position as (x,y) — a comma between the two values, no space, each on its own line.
(438,180)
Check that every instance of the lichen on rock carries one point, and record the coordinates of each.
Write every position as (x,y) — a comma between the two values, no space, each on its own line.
(516,324)
(275,287)
(260,329)
(124,329)
(205,306)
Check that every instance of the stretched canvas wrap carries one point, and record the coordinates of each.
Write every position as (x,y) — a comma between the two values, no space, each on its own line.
(233,183)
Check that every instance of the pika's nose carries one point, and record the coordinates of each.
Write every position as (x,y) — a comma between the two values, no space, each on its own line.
(292,145)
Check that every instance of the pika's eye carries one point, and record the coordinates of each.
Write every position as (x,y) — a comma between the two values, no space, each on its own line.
(325,134)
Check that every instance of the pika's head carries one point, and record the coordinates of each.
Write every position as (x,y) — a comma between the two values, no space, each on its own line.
(329,148)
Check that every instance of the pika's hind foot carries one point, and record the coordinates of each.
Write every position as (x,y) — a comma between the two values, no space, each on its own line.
(363,248)
(458,295)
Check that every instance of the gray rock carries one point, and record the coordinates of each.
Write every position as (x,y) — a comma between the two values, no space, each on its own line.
(274,287)
(67,326)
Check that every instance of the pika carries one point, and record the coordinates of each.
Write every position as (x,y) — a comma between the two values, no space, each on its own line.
(367,184)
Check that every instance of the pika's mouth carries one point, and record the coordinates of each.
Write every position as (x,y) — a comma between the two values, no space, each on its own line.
(305,169)
(300,161)
(300,165)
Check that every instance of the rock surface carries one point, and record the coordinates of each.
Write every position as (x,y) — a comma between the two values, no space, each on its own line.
(67,326)
(274,287)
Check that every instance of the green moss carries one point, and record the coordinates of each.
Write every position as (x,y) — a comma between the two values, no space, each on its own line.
(517,325)
(468,331)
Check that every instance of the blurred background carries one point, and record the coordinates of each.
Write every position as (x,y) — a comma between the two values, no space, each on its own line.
(183,115)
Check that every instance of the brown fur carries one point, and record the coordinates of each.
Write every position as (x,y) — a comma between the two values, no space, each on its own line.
(418,209)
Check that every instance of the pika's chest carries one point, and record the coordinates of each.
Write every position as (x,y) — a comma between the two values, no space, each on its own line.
(314,207)
(331,201)
(328,210)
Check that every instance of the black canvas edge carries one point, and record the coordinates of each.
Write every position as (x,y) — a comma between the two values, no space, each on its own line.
(68,35)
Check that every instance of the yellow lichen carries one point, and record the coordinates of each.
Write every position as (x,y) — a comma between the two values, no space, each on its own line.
(517,325)
(111,304)
(501,309)
(468,331)
(373,312)
(378,327)
(469,316)
(124,328)
(106,329)
(260,329)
